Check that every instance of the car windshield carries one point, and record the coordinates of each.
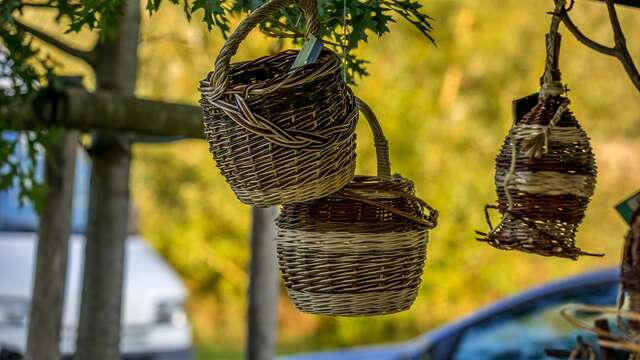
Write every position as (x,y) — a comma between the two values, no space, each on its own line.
(17,216)
(525,333)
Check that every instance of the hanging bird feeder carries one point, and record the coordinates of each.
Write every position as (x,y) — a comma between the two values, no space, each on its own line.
(545,172)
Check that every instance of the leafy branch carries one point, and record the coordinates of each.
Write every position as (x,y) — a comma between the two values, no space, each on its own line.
(345,25)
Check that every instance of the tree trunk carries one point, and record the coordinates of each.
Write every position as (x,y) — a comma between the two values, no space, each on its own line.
(101,309)
(53,247)
(263,286)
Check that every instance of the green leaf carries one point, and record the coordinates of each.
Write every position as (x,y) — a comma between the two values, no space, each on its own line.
(214,14)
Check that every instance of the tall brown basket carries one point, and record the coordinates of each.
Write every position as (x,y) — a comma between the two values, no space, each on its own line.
(359,251)
(279,135)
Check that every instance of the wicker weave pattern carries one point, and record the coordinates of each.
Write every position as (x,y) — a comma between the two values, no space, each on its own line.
(359,251)
(279,135)
(544,200)
(358,304)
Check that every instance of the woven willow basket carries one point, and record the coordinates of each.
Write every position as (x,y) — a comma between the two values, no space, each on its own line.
(279,135)
(359,251)
(545,177)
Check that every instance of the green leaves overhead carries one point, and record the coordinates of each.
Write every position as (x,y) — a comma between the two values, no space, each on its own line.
(345,25)
(214,14)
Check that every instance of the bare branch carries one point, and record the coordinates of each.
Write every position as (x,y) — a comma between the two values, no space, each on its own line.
(622,53)
(619,51)
(583,38)
(87,56)
(39,5)
(618,35)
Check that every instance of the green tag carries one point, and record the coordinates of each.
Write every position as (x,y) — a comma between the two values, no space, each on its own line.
(628,207)
(309,53)
(522,106)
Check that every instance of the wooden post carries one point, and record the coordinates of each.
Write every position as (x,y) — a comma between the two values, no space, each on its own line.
(262,314)
(47,302)
(99,327)
(107,230)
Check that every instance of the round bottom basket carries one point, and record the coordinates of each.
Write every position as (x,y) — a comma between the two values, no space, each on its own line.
(357,252)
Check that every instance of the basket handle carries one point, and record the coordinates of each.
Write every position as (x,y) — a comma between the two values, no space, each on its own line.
(219,78)
(384,173)
(379,141)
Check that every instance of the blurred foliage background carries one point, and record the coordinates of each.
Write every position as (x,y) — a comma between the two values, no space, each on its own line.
(445,111)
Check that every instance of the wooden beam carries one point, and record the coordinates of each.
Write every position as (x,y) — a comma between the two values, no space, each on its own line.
(111,112)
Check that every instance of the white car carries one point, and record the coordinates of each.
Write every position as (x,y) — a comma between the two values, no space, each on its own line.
(154,323)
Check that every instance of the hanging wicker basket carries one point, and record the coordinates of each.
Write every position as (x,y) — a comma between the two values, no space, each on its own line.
(279,135)
(545,172)
(545,177)
(359,251)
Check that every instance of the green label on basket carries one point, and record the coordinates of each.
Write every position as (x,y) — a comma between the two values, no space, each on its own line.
(627,208)
(522,106)
(309,53)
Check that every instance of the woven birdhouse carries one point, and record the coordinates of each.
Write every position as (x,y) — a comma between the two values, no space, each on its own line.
(279,135)
(359,251)
(545,171)
(545,177)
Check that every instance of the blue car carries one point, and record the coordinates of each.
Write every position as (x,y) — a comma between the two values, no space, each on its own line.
(519,327)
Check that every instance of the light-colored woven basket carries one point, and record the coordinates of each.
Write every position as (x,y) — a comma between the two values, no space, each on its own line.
(279,135)
(359,251)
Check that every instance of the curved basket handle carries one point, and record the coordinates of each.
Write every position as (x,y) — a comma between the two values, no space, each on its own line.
(219,78)
(384,173)
(379,141)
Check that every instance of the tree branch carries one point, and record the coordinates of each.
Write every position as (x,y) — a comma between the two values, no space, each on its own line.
(87,56)
(39,5)
(618,35)
(583,38)
(619,51)
(622,53)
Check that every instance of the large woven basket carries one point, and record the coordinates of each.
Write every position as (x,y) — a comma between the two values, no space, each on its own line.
(359,251)
(279,135)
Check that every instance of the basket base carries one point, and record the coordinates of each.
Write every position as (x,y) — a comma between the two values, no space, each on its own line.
(361,304)
(300,192)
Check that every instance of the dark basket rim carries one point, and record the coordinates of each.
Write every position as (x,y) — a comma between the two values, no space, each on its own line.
(327,58)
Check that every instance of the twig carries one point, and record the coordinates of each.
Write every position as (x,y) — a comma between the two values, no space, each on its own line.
(39,5)
(87,56)
(621,46)
(619,51)
(583,38)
